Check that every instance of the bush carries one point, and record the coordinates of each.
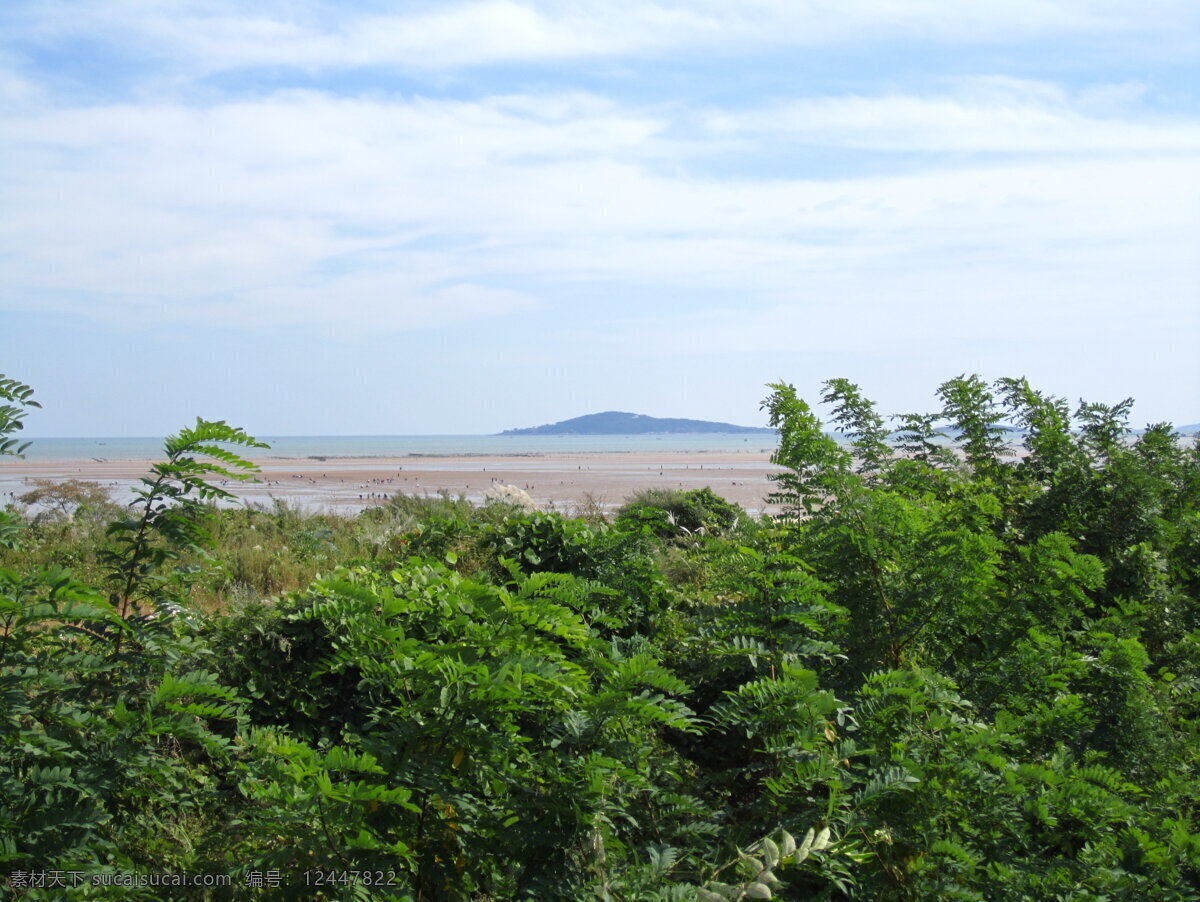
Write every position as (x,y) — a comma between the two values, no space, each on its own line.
(669,513)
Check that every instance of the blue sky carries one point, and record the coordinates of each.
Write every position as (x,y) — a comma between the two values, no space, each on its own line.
(461,217)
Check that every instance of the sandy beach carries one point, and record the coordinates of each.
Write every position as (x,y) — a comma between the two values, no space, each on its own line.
(564,482)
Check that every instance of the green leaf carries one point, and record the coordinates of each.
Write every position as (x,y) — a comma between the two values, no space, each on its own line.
(805,846)
(770,852)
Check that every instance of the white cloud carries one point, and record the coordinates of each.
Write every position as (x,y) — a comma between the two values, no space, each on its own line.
(1049,221)
(994,115)
(16,90)
(305,208)
(214,35)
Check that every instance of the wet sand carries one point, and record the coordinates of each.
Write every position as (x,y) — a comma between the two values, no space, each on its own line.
(564,482)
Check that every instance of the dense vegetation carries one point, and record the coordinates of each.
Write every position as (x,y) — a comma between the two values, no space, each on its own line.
(945,671)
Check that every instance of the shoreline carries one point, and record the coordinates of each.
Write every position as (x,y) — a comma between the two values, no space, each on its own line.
(563,481)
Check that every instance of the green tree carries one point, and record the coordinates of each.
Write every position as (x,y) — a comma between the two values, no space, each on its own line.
(16,397)
(170,512)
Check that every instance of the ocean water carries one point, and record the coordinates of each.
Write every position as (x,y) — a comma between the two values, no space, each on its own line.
(352,446)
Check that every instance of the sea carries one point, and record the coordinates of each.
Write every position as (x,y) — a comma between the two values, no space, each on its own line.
(302,447)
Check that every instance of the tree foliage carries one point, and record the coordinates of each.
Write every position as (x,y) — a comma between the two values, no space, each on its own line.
(15,398)
(961,662)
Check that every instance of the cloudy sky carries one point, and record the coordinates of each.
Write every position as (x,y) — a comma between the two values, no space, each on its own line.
(460,217)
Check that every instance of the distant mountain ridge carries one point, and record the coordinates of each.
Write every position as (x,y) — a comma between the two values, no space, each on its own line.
(615,422)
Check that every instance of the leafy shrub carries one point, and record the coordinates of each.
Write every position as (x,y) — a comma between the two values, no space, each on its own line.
(17,396)
(952,672)
(460,690)
(613,557)
(103,753)
(69,499)
(669,512)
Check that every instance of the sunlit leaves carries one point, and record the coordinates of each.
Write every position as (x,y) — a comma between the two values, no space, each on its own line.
(945,672)
(173,505)
(16,397)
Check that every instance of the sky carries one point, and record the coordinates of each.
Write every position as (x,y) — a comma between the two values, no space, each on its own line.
(448,217)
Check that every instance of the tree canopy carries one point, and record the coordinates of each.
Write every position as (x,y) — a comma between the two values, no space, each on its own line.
(960,661)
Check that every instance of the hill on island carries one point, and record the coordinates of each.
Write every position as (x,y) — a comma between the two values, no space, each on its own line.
(613,422)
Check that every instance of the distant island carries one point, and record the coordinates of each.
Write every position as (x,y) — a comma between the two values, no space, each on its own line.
(613,422)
